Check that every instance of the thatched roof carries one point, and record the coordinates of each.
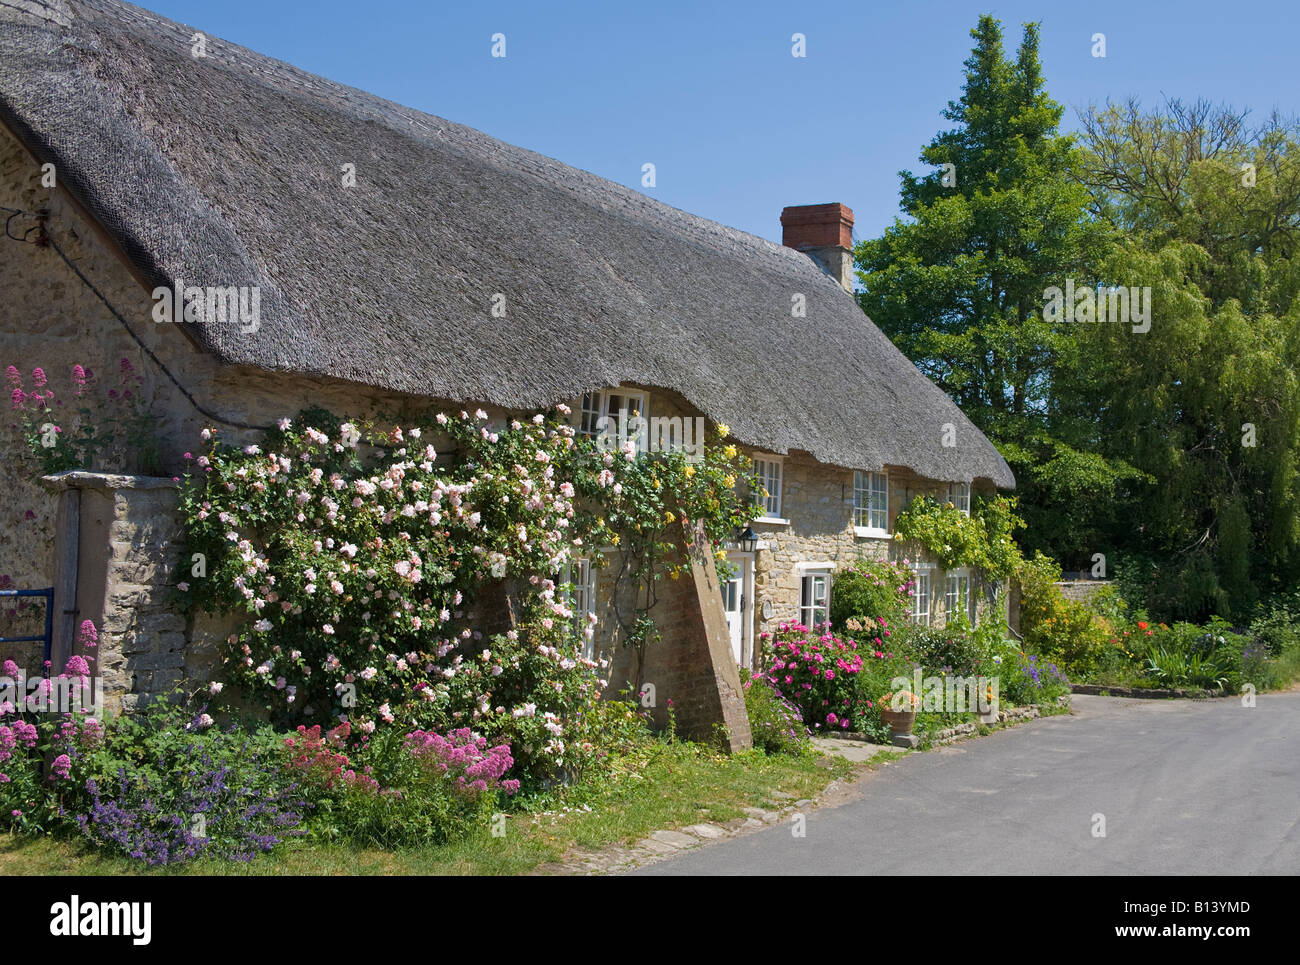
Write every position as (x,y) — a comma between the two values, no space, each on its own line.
(225,170)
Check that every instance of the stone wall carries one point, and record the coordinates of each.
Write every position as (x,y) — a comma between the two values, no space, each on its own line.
(1082,589)
(128,549)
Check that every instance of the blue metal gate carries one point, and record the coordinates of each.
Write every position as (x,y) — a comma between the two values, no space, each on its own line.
(48,637)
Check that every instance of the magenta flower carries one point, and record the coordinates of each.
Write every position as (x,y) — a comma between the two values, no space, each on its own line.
(38,376)
(19,397)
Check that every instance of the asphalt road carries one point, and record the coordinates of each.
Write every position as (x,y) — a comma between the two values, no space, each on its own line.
(1186,787)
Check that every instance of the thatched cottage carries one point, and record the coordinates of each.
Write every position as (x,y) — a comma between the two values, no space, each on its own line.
(394,254)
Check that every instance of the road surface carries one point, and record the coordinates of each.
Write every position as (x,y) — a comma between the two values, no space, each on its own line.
(1185,787)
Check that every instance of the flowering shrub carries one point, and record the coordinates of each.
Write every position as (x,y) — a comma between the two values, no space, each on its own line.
(411,788)
(358,553)
(982,540)
(774,722)
(87,425)
(31,793)
(1066,631)
(465,757)
(869,591)
(814,671)
(1027,678)
(320,763)
(219,795)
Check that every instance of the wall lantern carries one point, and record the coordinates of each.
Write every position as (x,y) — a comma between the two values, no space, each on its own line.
(748,540)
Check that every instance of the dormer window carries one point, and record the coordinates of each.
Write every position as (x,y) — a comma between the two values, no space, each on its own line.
(611,404)
(959,496)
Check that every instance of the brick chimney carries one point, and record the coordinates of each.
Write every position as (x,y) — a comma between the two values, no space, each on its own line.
(825,233)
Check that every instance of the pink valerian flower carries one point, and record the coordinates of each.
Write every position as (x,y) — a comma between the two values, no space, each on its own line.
(38,377)
(13,377)
(77,666)
(87,635)
(19,398)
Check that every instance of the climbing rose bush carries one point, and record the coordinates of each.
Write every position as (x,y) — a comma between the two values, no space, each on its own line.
(357,552)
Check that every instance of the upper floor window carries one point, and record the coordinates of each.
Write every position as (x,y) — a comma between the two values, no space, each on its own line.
(612,405)
(768,496)
(871,500)
(959,496)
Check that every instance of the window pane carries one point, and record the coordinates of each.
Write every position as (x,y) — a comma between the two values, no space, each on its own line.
(589,414)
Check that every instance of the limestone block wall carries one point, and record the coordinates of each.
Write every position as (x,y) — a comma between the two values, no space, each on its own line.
(127,550)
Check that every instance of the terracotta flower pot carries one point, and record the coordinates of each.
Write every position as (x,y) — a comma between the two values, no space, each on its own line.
(899,721)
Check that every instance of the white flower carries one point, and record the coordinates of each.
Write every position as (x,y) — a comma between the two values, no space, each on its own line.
(283,423)
(262,626)
(252,451)
(327,629)
(369,673)
(215,687)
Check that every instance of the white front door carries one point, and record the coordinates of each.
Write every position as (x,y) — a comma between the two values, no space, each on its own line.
(736,601)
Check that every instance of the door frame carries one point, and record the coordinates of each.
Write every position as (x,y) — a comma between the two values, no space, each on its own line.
(746,563)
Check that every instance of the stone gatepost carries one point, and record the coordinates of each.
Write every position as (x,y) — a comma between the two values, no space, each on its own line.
(118,545)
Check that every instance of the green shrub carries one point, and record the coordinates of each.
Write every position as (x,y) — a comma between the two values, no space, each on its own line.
(775,723)
(1066,631)
(869,591)
(953,648)
(1278,629)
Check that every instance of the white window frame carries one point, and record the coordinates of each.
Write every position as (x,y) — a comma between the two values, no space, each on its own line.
(959,496)
(594,406)
(580,576)
(808,605)
(870,519)
(769,507)
(953,596)
(919,617)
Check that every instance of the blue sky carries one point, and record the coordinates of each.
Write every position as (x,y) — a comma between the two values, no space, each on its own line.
(709,92)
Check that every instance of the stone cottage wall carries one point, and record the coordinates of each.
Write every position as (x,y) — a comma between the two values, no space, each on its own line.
(127,548)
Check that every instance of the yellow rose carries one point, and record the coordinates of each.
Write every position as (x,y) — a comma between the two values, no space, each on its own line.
(669,517)
(724,431)
(729,452)
(690,471)
(729,481)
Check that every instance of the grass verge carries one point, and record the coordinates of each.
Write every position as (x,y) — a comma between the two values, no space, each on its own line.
(671,785)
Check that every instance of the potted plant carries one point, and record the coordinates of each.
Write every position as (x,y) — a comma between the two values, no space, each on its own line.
(898,710)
